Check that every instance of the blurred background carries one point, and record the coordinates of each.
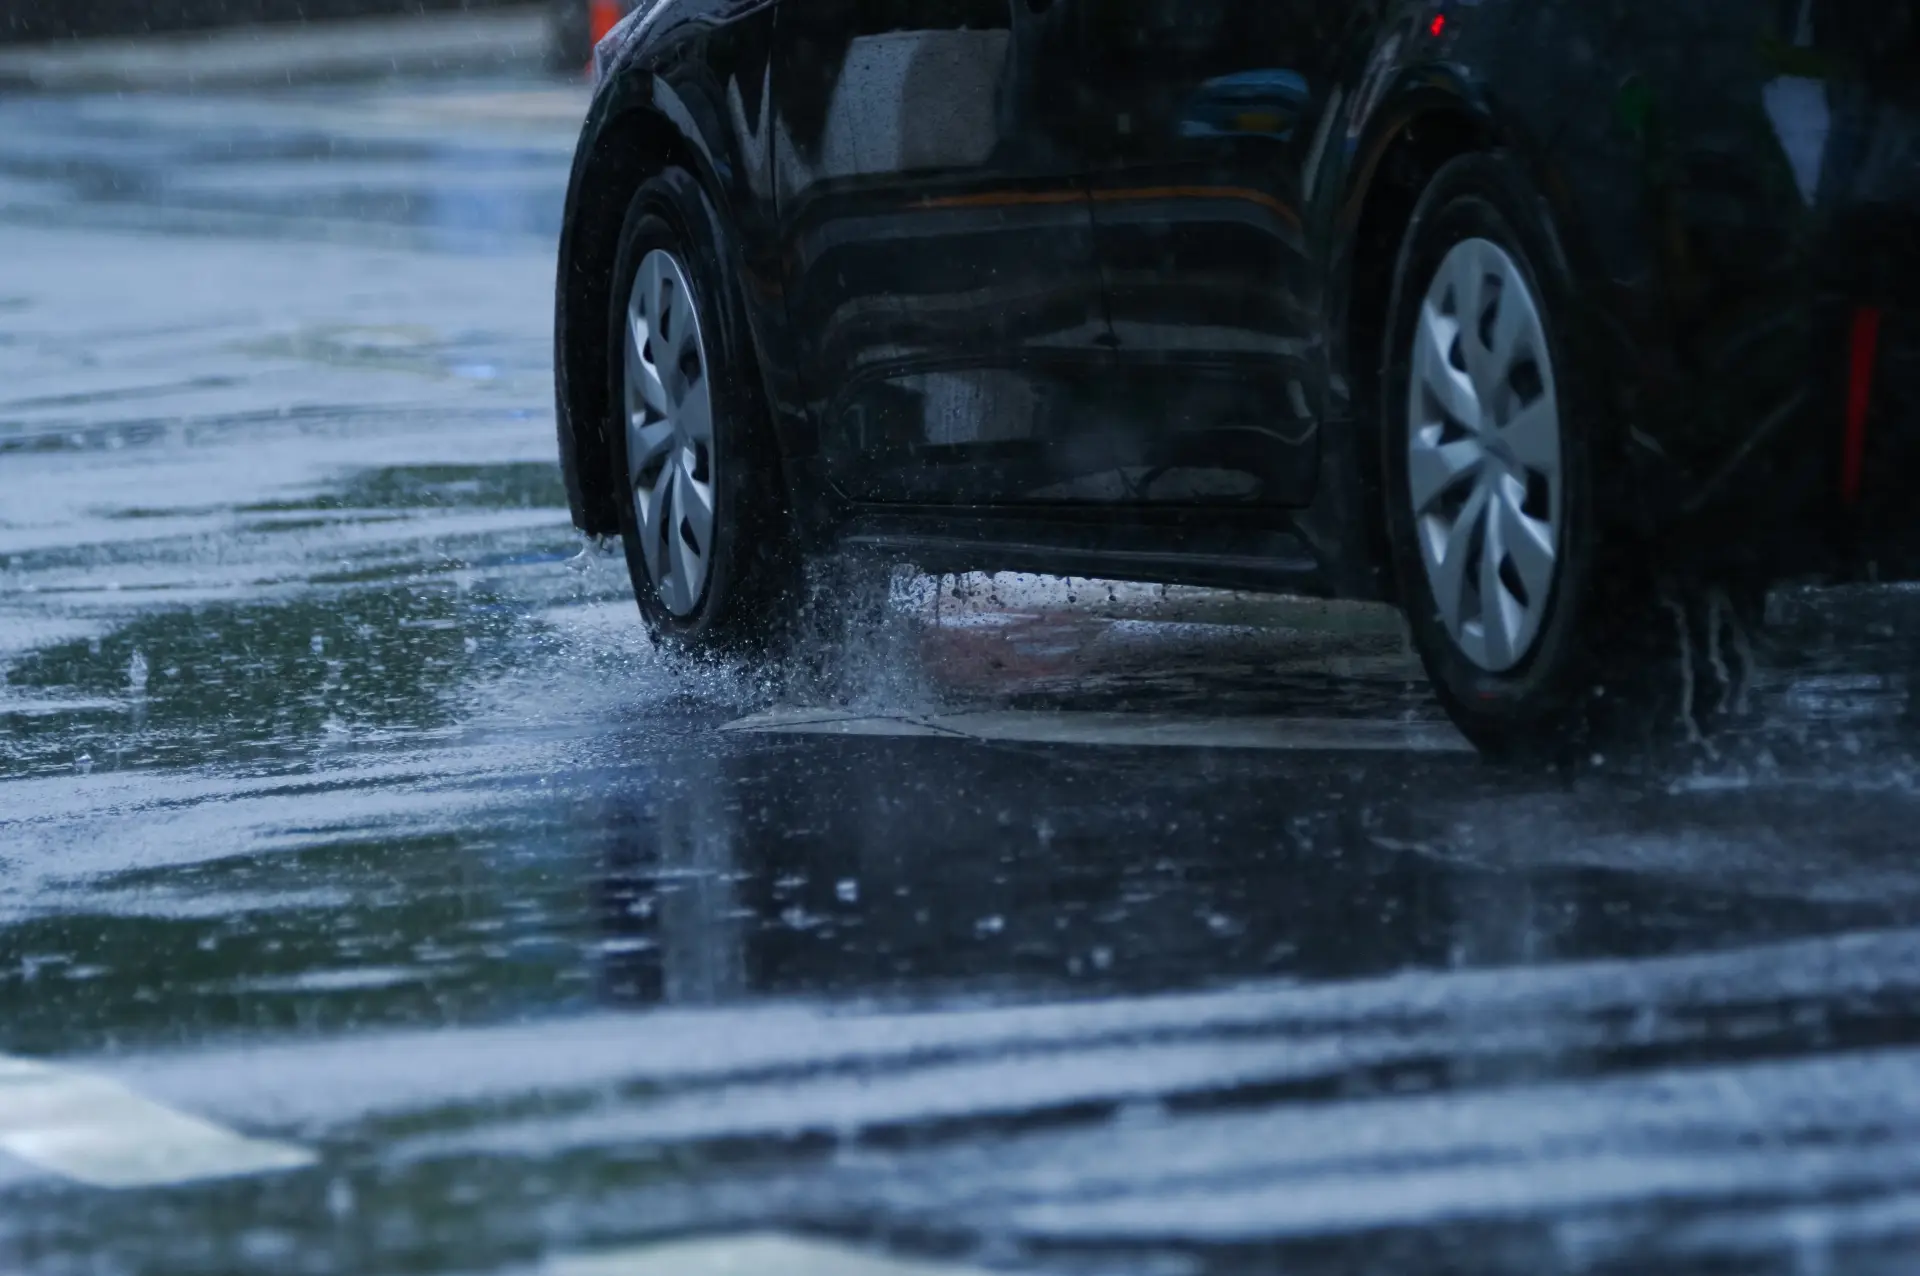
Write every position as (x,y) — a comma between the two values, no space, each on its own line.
(51,19)
(570,26)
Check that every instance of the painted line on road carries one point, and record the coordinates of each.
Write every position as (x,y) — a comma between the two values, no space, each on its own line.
(98,1132)
(1135,729)
(757,1254)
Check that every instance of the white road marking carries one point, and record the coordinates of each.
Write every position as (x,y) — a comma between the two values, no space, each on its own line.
(1136,729)
(763,1254)
(97,1131)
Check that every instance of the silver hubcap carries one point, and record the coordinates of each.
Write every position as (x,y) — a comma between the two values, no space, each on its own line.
(1483,454)
(670,457)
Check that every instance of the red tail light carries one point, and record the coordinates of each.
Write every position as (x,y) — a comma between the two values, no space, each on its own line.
(1863,349)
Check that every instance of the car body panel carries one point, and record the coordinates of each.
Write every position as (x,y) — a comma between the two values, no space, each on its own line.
(941,279)
(1736,213)
(1201,124)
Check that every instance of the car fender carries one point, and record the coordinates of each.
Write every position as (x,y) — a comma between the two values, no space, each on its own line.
(677,84)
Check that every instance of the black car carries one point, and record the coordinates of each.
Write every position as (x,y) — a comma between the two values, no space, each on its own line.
(1569,328)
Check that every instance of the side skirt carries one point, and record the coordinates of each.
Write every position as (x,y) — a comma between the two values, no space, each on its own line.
(1214,548)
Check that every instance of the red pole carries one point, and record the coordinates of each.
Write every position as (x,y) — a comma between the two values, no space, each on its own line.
(602,15)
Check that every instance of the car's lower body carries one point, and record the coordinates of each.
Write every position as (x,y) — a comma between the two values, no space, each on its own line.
(1559,602)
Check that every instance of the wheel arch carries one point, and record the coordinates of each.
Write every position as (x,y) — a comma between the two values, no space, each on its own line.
(640,125)
(617,153)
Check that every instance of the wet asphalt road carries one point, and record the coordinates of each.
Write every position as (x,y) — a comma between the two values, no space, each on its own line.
(373,899)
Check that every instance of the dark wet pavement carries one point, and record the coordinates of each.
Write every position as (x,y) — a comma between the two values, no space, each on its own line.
(373,899)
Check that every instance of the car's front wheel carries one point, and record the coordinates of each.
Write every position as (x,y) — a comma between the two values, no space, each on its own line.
(1542,627)
(703,511)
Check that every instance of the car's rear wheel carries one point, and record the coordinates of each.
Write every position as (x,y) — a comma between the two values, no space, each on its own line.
(703,510)
(1544,628)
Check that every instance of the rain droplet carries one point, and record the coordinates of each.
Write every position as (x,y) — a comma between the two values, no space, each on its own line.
(798,918)
(137,672)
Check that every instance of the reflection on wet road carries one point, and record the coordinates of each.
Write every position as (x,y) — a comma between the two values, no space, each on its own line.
(374,899)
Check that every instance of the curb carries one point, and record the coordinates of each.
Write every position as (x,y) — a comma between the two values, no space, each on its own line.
(255,57)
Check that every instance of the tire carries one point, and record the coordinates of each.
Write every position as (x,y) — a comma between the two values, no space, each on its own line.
(673,286)
(1582,647)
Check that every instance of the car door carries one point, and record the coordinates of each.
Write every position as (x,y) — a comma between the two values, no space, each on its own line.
(939,266)
(1204,114)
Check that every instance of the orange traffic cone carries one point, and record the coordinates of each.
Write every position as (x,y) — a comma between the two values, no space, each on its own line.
(601,17)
